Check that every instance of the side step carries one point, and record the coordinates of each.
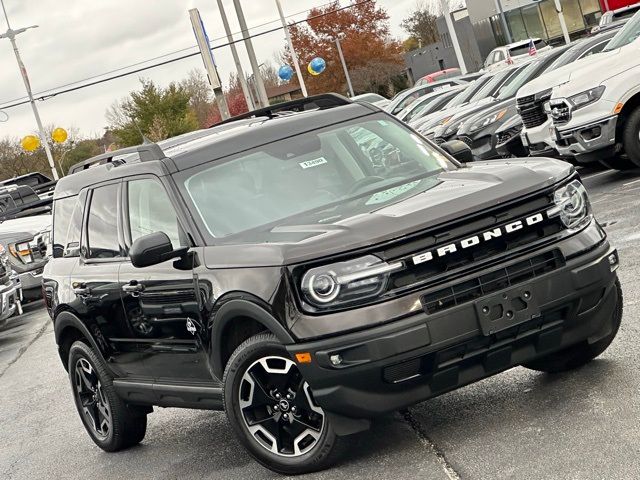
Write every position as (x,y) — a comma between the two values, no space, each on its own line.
(205,396)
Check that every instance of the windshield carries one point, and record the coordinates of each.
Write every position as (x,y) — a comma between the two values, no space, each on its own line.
(626,35)
(510,88)
(316,177)
(464,96)
(369,97)
(415,93)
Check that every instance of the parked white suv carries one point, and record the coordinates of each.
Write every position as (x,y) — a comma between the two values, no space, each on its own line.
(595,105)
(518,51)
(537,130)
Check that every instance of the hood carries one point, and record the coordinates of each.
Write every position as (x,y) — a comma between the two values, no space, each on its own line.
(434,119)
(509,106)
(451,127)
(31,225)
(580,75)
(456,193)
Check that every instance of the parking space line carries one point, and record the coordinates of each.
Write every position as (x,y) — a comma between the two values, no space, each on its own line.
(630,183)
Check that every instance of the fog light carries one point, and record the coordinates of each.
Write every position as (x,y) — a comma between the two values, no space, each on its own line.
(613,261)
(336,360)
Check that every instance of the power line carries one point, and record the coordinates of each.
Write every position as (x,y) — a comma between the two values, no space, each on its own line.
(43,95)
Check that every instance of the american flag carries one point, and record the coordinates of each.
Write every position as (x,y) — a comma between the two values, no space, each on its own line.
(532,48)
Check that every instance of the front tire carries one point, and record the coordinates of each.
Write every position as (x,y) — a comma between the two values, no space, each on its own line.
(582,353)
(631,137)
(272,411)
(110,423)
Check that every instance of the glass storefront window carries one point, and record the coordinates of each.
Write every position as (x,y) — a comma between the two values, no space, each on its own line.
(573,15)
(498,31)
(550,17)
(533,22)
(516,25)
(591,12)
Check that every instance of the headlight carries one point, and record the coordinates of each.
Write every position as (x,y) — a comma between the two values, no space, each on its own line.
(572,205)
(585,98)
(488,120)
(21,251)
(348,282)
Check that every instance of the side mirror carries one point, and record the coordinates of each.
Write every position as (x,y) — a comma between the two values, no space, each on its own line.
(458,150)
(153,249)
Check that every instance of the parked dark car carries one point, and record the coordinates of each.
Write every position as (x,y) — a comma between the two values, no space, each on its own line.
(273,270)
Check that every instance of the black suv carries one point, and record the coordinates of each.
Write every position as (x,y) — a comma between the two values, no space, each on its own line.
(270,268)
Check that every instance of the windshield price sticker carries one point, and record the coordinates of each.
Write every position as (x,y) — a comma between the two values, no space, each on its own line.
(313,163)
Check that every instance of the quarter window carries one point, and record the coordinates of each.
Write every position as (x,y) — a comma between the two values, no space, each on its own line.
(151,210)
(102,226)
(67,224)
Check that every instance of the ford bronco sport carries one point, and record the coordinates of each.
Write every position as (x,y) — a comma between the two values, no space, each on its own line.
(270,269)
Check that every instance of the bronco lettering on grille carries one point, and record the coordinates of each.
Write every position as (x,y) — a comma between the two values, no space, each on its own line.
(476,239)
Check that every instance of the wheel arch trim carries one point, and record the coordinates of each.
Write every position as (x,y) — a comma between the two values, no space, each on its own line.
(67,319)
(241,308)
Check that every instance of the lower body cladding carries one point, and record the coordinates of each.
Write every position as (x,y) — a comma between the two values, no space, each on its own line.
(364,374)
(588,143)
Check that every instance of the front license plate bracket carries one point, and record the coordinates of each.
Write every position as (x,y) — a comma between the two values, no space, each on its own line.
(506,309)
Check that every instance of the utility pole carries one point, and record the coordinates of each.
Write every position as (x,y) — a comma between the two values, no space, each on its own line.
(294,57)
(263,100)
(337,39)
(454,35)
(505,26)
(563,24)
(209,64)
(11,35)
(236,59)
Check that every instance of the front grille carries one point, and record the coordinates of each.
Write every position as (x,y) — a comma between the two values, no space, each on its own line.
(466,140)
(478,258)
(531,109)
(492,281)
(560,112)
(504,137)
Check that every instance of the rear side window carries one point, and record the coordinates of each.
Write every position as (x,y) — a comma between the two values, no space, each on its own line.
(102,226)
(67,225)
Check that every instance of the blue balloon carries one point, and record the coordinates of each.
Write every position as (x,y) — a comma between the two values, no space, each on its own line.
(285,72)
(318,65)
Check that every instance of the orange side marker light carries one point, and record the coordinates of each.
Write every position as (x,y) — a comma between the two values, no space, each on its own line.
(618,108)
(303,357)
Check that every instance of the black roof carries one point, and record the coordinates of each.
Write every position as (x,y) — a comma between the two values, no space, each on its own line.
(228,138)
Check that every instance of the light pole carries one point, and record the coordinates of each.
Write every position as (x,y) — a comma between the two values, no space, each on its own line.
(11,35)
(337,39)
(563,24)
(507,32)
(294,57)
(236,58)
(263,100)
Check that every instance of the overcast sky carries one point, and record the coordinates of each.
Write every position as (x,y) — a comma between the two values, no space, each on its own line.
(77,39)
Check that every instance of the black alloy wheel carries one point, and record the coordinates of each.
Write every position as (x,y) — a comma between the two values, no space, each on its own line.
(95,405)
(278,409)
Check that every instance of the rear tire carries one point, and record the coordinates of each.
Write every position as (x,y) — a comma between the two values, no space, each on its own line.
(582,353)
(272,412)
(110,423)
(631,137)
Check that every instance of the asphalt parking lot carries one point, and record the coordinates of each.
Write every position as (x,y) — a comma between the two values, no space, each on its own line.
(520,424)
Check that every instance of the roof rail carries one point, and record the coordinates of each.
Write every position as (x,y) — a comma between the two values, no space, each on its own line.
(147,151)
(320,102)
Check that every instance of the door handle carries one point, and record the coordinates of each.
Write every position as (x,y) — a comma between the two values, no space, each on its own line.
(133,288)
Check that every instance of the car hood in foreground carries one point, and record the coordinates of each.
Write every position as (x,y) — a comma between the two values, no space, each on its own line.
(32,225)
(458,193)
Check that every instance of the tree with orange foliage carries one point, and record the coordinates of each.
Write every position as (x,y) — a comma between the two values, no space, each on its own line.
(367,47)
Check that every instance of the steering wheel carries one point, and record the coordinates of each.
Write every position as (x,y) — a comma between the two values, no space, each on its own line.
(363,182)
(376,156)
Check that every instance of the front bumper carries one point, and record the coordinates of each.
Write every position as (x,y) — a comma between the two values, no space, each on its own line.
(31,282)
(9,300)
(588,142)
(540,140)
(405,362)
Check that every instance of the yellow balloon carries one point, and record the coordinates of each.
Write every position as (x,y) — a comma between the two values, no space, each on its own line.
(30,143)
(311,71)
(59,135)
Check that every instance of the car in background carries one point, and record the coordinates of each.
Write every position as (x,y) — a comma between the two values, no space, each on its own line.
(25,226)
(373,99)
(10,292)
(439,75)
(482,116)
(619,14)
(410,95)
(595,105)
(533,96)
(514,53)
(485,96)
(430,102)
(42,185)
